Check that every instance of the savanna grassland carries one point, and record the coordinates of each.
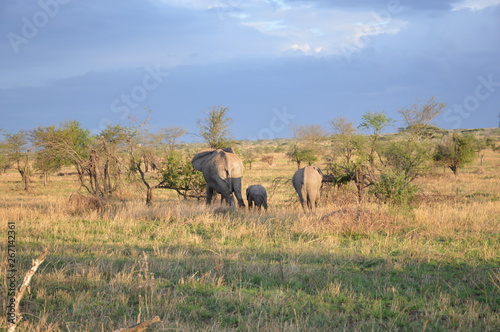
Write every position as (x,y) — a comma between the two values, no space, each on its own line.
(430,266)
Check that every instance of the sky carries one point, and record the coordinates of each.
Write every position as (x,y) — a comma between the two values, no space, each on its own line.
(275,64)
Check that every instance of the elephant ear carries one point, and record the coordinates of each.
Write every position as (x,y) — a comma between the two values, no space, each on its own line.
(230,150)
(200,158)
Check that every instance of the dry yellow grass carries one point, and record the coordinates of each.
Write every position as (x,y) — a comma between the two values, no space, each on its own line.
(345,267)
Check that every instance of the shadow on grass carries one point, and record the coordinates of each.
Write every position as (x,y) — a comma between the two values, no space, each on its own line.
(269,288)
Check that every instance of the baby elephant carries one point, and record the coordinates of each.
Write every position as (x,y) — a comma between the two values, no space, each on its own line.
(257,194)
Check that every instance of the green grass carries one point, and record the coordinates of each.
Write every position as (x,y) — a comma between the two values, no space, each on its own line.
(433,266)
(272,271)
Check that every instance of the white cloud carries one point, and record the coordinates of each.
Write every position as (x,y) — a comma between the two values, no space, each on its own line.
(324,29)
(301,25)
(475,4)
(267,26)
(193,4)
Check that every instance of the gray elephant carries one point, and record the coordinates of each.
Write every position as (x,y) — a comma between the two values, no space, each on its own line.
(307,182)
(257,194)
(222,170)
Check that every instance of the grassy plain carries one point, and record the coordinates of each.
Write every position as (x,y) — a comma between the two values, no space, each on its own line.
(433,266)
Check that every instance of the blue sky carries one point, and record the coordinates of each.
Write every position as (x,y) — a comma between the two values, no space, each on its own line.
(273,63)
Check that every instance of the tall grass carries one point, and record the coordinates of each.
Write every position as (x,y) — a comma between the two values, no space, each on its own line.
(431,266)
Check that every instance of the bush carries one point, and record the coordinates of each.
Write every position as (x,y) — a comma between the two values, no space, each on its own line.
(180,175)
(394,188)
(407,156)
(279,149)
(455,151)
(269,159)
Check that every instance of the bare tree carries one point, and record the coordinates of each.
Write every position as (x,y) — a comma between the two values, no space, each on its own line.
(345,134)
(418,118)
(309,134)
(22,289)
(168,136)
(96,159)
(140,326)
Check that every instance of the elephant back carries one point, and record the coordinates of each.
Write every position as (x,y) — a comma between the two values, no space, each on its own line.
(234,165)
(221,161)
(228,165)
(312,174)
(201,158)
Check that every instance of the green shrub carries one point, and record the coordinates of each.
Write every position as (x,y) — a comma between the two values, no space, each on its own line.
(394,188)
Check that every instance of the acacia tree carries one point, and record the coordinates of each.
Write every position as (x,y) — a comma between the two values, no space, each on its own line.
(214,128)
(47,163)
(70,142)
(167,137)
(455,151)
(376,122)
(47,159)
(482,144)
(308,144)
(248,157)
(180,175)
(406,155)
(95,158)
(176,173)
(345,136)
(4,163)
(17,150)
(139,151)
(418,118)
(414,146)
(300,154)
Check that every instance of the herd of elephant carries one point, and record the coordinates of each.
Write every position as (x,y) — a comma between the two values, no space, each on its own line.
(223,169)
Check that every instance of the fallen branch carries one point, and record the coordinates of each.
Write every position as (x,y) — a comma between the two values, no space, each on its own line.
(26,282)
(141,326)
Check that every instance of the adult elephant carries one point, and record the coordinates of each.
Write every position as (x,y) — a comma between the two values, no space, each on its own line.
(307,182)
(222,170)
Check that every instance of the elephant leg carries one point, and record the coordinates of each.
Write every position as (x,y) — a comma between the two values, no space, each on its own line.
(221,187)
(210,194)
(312,201)
(303,198)
(236,183)
(318,198)
(250,203)
(230,200)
